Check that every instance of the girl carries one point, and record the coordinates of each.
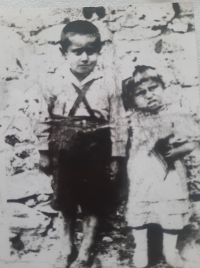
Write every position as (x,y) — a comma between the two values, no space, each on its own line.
(161,136)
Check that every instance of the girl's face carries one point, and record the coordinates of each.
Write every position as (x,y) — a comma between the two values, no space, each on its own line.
(148,96)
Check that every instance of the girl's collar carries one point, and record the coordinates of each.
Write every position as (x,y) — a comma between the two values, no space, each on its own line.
(149,113)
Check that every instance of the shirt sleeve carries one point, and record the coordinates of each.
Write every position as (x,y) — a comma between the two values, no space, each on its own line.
(40,123)
(118,124)
(59,105)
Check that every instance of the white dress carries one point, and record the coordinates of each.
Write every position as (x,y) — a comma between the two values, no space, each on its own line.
(158,194)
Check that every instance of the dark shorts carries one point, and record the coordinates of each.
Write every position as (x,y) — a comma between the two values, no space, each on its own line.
(80,160)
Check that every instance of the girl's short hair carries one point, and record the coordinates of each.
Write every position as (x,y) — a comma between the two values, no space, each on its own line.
(81,27)
(142,73)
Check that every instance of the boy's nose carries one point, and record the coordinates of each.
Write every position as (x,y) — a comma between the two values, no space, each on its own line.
(84,56)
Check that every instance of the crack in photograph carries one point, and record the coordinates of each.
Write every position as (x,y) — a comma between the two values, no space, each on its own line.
(100,137)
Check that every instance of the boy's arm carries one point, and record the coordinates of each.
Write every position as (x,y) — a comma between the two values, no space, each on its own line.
(42,127)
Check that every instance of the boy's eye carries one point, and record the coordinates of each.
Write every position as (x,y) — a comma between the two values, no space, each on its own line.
(90,51)
(78,51)
(140,93)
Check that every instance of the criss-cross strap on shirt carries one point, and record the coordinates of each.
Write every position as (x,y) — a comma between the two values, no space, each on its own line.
(93,97)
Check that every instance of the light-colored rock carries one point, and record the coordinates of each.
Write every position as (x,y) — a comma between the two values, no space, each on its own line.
(21,217)
(46,207)
(107,239)
(186,8)
(35,21)
(52,234)
(47,59)
(178,26)
(155,15)
(105,33)
(42,197)
(138,23)
(27,184)
(136,34)
(51,35)
(180,56)
(10,54)
(30,203)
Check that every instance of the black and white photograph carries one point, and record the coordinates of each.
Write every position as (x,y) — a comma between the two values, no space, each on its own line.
(99,137)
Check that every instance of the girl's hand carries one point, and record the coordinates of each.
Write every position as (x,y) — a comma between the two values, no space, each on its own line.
(171,153)
(181,150)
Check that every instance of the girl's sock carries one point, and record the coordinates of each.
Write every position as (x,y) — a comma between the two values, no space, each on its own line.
(140,257)
(170,251)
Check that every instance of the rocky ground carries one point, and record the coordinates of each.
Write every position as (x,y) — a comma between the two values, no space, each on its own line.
(36,236)
(154,34)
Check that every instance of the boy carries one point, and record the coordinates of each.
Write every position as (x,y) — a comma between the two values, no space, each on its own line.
(83,135)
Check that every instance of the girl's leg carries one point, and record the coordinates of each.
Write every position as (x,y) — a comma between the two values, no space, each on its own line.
(170,251)
(140,257)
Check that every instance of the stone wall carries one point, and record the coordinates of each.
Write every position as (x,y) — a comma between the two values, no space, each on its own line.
(160,35)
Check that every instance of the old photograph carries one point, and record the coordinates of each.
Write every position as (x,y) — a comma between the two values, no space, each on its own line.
(99,137)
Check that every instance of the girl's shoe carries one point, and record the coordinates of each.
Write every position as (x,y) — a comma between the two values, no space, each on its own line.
(140,258)
(174,260)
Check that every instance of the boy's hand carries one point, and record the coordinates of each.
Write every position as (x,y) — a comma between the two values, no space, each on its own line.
(114,168)
(44,162)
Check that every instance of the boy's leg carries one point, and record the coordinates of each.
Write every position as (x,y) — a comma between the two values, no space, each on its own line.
(90,224)
(64,196)
(170,251)
(93,180)
(67,235)
(55,184)
(64,201)
(140,257)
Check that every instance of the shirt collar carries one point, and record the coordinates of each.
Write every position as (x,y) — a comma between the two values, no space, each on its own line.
(66,73)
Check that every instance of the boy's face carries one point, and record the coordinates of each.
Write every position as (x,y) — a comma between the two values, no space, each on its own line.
(82,54)
(148,96)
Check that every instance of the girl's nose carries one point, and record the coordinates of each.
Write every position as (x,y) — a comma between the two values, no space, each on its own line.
(149,94)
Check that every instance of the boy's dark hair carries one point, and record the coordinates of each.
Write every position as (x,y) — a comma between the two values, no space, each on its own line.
(81,27)
(142,73)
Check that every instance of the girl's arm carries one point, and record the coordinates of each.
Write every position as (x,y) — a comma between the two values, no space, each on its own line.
(181,150)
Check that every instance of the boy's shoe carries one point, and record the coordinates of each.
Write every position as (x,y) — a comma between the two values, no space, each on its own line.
(80,264)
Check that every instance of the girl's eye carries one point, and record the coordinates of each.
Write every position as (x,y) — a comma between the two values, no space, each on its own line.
(140,93)
(153,88)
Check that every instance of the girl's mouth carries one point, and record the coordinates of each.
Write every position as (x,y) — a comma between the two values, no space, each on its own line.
(152,102)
